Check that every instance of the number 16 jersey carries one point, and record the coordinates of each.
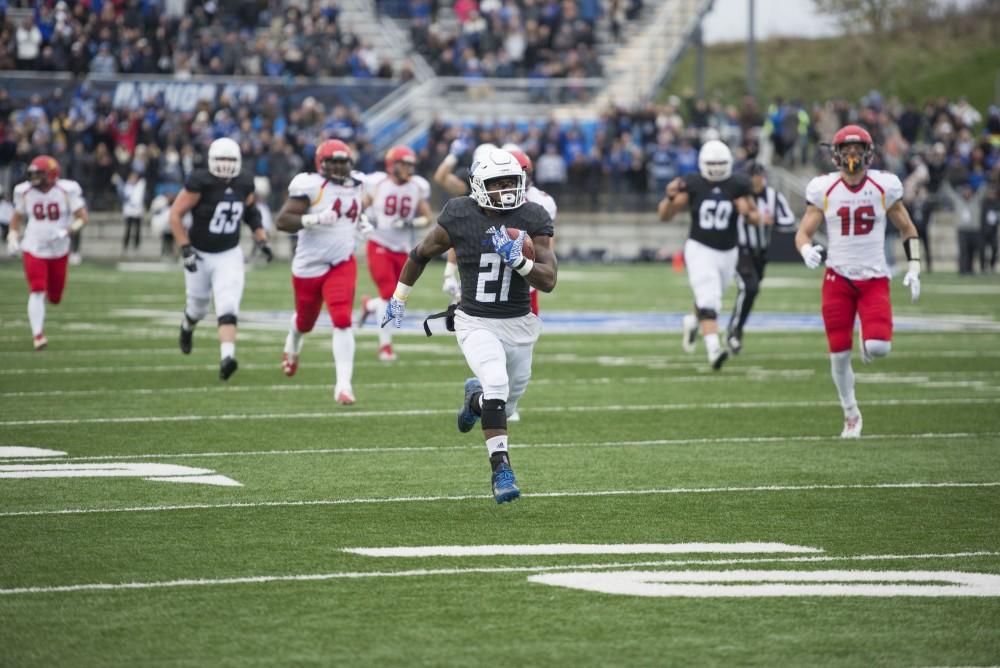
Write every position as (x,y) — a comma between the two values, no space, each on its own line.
(855,220)
(215,219)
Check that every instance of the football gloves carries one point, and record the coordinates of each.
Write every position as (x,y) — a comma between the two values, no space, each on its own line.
(189,258)
(13,243)
(812,255)
(458,147)
(365,227)
(912,279)
(394,310)
(507,248)
(328,217)
(265,249)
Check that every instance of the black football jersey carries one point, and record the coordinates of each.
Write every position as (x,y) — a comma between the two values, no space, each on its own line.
(490,288)
(713,211)
(215,225)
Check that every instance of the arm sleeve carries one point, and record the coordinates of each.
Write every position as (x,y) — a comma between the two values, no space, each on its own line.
(423,187)
(539,223)
(75,194)
(814,193)
(19,204)
(195,182)
(302,187)
(893,190)
(251,216)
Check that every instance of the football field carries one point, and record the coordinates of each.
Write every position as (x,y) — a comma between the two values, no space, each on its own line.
(152,515)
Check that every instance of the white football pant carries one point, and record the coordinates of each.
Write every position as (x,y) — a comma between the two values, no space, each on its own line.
(499,353)
(219,277)
(710,271)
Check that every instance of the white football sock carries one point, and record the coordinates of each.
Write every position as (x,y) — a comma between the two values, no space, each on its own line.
(227,349)
(496,444)
(712,344)
(36,312)
(293,342)
(343,355)
(843,378)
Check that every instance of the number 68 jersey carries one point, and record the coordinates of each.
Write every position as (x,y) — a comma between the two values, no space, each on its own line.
(215,219)
(47,216)
(855,220)
(321,247)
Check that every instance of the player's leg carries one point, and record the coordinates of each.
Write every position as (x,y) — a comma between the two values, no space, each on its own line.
(227,290)
(839,308)
(338,293)
(875,312)
(709,271)
(198,299)
(519,373)
(748,285)
(308,303)
(486,397)
(37,274)
(384,267)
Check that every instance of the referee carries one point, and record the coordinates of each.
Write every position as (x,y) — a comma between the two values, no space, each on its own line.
(753,243)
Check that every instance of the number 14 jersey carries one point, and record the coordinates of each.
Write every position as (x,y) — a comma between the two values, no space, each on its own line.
(855,220)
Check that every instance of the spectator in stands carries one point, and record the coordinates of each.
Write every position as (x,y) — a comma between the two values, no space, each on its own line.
(29,44)
(132,193)
(967,203)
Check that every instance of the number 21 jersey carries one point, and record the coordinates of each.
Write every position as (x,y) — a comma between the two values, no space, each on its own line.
(215,219)
(855,220)
(713,211)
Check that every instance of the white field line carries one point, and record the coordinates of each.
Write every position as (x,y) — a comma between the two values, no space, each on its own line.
(554,549)
(477,497)
(416,412)
(740,440)
(425,572)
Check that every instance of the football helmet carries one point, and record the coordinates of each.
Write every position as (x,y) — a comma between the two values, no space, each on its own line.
(402,155)
(852,161)
(497,181)
(482,151)
(334,159)
(224,158)
(43,172)
(715,161)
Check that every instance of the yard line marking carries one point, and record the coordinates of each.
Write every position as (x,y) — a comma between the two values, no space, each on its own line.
(539,409)
(520,446)
(477,497)
(549,549)
(424,572)
(16,452)
(153,472)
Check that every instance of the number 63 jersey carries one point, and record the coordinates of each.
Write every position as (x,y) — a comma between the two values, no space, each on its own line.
(215,219)
(855,220)
(713,209)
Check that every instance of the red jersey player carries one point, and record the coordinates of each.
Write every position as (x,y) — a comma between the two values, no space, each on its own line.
(325,209)
(51,208)
(397,202)
(855,202)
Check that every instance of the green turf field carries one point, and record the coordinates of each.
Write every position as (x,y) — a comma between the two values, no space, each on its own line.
(624,442)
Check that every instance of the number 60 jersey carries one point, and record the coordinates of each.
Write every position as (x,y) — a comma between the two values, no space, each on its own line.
(713,208)
(215,219)
(855,220)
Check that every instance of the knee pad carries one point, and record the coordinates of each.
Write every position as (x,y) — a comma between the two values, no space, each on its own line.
(197,308)
(707,314)
(878,348)
(227,319)
(494,414)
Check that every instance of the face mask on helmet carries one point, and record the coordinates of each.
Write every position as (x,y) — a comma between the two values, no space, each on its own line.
(852,157)
(715,161)
(334,160)
(43,172)
(224,159)
(497,181)
(401,162)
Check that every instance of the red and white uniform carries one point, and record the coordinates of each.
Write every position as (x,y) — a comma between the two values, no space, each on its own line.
(47,216)
(393,206)
(545,200)
(857,276)
(324,268)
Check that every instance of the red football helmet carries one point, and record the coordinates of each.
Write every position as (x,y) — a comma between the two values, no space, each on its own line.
(43,171)
(340,158)
(853,135)
(400,154)
(523,160)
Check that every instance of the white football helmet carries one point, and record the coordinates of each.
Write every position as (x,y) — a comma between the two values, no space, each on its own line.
(715,161)
(482,151)
(497,164)
(224,159)
(510,146)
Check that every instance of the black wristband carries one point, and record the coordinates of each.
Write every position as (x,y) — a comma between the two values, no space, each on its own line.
(520,264)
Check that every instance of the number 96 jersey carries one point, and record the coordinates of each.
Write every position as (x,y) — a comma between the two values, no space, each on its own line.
(215,219)
(47,216)
(713,209)
(855,220)
(323,246)
(393,206)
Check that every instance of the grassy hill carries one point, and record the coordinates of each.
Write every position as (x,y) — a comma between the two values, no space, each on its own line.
(960,56)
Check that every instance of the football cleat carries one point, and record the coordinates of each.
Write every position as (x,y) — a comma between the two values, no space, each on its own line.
(186,340)
(289,364)
(467,418)
(719,359)
(690,338)
(227,368)
(386,354)
(40,342)
(852,426)
(865,357)
(504,484)
(344,396)
(735,344)
(514,417)
(366,311)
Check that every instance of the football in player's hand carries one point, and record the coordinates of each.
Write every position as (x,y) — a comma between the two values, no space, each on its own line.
(528,248)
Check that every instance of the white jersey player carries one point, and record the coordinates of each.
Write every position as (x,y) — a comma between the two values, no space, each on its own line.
(51,209)
(325,209)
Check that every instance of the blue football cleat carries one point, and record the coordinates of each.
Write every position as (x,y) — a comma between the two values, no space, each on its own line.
(504,485)
(467,418)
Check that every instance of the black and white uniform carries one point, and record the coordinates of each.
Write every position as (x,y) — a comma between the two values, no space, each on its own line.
(753,243)
(215,236)
(493,322)
(710,252)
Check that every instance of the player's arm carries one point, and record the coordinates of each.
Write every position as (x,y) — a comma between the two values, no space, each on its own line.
(445,177)
(290,217)
(748,209)
(436,242)
(675,200)
(809,225)
(14,234)
(252,217)
(900,217)
(544,271)
(185,201)
(424,215)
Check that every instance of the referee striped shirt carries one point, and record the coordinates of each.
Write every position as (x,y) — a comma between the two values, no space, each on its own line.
(758,237)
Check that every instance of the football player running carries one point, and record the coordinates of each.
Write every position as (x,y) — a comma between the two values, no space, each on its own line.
(494,325)
(325,209)
(716,198)
(855,202)
(218,198)
(51,209)
(398,201)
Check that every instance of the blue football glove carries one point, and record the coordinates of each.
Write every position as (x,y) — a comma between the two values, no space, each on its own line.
(394,310)
(458,147)
(507,248)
